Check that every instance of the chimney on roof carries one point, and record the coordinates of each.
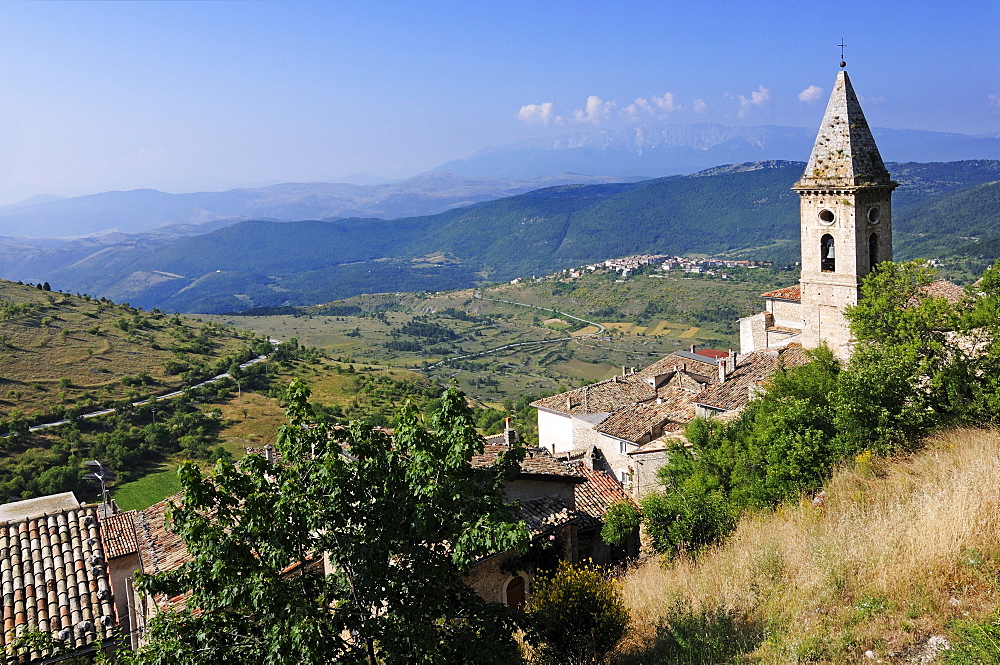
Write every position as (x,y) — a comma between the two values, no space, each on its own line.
(694,347)
(569,403)
(269,453)
(509,433)
(722,371)
(731,360)
(624,370)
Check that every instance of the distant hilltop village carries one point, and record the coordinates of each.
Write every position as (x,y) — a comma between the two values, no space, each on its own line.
(626,425)
(626,265)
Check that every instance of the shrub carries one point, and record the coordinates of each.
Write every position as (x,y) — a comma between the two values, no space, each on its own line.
(576,616)
(688,517)
(621,519)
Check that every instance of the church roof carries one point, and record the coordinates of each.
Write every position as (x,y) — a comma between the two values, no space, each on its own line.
(845,154)
(787,293)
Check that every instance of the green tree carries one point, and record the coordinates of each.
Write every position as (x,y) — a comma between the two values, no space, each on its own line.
(398,521)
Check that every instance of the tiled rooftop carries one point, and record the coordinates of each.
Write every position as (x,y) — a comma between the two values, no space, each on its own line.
(544,514)
(755,367)
(787,293)
(598,494)
(53,578)
(673,434)
(633,423)
(942,288)
(602,397)
(118,531)
(537,461)
(692,363)
(160,549)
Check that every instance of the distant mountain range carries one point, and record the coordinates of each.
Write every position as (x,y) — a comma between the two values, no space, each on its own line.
(658,150)
(622,155)
(142,210)
(748,210)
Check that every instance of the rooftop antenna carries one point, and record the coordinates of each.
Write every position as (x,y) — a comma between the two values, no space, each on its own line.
(100,474)
(843,63)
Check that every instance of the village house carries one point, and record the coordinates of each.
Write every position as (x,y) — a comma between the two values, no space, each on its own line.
(625,425)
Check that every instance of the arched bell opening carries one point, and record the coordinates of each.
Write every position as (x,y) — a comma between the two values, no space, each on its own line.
(873,251)
(827,254)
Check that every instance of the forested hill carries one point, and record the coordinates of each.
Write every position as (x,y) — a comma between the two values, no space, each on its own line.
(745,210)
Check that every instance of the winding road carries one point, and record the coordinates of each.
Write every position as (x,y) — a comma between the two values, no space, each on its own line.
(171,395)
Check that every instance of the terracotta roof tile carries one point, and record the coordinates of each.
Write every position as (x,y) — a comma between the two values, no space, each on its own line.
(754,368)
(942,288)
(691,363)
(787,293)
(671,437)
(598,494)
(645,421)
(160,549)
(537,461)
(545,514)
(601,397)
(118,531)
(53,577)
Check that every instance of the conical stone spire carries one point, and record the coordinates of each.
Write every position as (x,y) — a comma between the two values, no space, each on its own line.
(845,154)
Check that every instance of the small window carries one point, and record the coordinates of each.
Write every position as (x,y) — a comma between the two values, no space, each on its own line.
(826,216)
(827,254)
(873,251)
(622,447)
(873,215)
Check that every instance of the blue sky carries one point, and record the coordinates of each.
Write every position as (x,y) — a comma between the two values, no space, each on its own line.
(209,95)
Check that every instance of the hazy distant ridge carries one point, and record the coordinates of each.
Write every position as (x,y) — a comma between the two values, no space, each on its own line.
(142,210)
(658,150)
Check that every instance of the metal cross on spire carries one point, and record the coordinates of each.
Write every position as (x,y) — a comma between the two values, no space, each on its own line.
(842,45)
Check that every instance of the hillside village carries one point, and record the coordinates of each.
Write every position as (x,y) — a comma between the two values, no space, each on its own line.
(627,265)
(67,570)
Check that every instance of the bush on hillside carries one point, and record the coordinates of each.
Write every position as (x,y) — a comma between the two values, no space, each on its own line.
(576,617)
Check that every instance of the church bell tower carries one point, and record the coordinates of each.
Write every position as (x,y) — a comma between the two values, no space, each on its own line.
(845,216)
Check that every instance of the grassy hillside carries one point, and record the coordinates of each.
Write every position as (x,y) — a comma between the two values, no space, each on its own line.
(894,553)
(746,211)
(63,352)
(647,316)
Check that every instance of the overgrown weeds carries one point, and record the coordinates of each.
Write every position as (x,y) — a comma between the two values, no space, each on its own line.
(894,554)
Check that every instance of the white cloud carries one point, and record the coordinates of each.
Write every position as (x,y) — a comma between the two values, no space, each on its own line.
(654,106)
(811,94)
(666,103)
(536,113)
(597,111)
(994,101)
(756,98)
(699,106)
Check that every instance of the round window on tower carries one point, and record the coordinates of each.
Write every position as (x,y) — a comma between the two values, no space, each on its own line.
(873,215)
(826,216)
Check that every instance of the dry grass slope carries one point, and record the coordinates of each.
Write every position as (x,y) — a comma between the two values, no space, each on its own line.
(60,349)
(891,554)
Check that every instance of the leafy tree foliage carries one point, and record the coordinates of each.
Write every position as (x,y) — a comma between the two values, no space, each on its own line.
(397,520)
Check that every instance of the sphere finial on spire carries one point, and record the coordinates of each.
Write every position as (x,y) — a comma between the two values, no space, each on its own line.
(843,63)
